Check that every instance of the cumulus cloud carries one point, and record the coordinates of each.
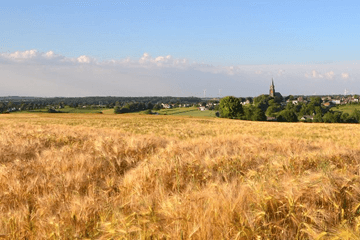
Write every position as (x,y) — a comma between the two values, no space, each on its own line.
(330,75)
(145,58)
(23,55)
(318,75)
(84,59)
(50,54)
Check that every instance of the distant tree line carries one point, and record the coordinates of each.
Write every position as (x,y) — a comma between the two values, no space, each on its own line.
(27,103)
(127,107)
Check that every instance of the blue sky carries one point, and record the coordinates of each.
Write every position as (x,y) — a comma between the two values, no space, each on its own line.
(273,35)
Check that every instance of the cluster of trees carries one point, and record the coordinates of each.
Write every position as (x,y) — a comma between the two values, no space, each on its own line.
(135,107)
(264,105)
(338,117)
(231,107)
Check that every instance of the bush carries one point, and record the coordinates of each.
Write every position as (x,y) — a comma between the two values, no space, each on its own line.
(51,110)
(117,109)
(148,111)
(287,116)
(258,114)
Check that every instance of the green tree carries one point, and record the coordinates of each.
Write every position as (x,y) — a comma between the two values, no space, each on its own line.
(332,117)
(248,111)
(125,110)
(148,111)
(10,104)
(290,106)
(117,109)
(345,118)
(258,114)
(287,116)
(230,107)
(2,107)
(150,105)
(262,101)
(272,110)
(355,115)
(316,101)
(318,118)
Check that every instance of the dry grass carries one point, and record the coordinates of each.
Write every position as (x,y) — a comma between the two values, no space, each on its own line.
(73,176)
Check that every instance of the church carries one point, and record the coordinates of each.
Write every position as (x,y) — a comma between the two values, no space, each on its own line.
(272,92)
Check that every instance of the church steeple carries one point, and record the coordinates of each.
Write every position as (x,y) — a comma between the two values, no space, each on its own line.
(272,88)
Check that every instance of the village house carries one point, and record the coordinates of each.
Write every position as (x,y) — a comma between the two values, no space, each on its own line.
(165,105)
(336,101)
(202,108)
(301,100)
(328,104)
(245,102)
(295,102)
(306,117)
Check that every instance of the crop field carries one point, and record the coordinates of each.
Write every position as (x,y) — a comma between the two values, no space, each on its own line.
(132,176)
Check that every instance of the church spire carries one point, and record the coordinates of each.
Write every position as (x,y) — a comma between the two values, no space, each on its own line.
(272,88)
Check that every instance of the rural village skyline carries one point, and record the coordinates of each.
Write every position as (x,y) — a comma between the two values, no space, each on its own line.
(161,48)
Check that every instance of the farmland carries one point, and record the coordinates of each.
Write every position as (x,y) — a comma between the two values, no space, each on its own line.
(348,108)
(136,176)
(190,111)
(68,109)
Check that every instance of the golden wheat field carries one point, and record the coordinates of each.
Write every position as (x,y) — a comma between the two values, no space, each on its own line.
(92,176)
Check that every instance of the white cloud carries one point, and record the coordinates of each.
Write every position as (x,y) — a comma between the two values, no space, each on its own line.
(330,75)
(345,75)
(23,55)
(84,59)
(145,58)
(318,75)
(50,54)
